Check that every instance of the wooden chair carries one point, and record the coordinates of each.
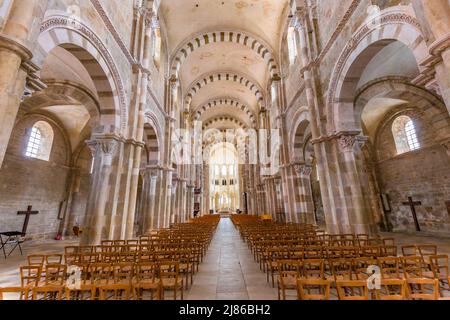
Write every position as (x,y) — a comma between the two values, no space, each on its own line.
(423,289)
(123,273)
(289,272)
(55,274)
(439,266)
(313,269)
(352,290)
(169,272)
(391,289)
(147,279)
(18,293)
(84,292)
(313,289)
(100,273)
(115,291)
(413,267)
(390,267)
(47,293)
(30,276)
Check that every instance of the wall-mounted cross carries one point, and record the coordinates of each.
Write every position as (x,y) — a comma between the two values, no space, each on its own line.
(412,204)
(27,218)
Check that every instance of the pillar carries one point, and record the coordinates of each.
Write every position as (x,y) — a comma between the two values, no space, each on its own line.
(13,53)
(103,151)
(303,172)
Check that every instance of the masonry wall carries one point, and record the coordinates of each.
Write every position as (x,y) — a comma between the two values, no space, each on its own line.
(25,181)
(423,174)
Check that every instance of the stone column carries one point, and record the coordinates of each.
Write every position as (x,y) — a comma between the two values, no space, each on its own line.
(103,151)
(151,189)
(359,215)
(13,53)
(303,172)
(323,149)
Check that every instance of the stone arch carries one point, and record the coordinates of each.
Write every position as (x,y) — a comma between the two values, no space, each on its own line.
(88,48)
(212,77)
(428,104)
(237,37)
(152,141)
(301,117)
(64,92)
(225,102)
(229,118)
(392,25)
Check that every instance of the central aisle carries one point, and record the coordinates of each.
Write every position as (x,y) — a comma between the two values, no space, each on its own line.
(229,271)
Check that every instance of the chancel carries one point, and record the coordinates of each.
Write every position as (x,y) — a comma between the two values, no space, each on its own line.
(224,150)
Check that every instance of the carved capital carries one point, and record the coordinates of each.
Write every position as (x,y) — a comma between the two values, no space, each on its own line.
(104,148)
(347,143)
(302,170)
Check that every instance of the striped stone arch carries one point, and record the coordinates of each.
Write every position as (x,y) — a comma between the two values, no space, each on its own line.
(152,139)
(361,48)
(429,105)
(204,80)
(207,125)
(89,49)
(225,102)
(65,93)
(298,134)
(237,37)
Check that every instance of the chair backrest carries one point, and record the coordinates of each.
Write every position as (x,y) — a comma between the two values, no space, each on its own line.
(53,259)
(36,260)
(341,269)
(147,271)
(30,275)
(409,250)
(423,289)
(412,266)
(391,289)
(313,289)
(426,250)
(85,292)
(55,274)
(390,267)
(114,292)
(169,269)
(100,272)
(313,268)
(48,293)
(123,272)
(439,266)
(352,290)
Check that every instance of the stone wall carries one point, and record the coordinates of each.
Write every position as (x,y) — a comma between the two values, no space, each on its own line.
(25,181)
(423,175)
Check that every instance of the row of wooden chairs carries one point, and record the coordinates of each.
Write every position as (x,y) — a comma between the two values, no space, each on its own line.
(119,270)
(389,289)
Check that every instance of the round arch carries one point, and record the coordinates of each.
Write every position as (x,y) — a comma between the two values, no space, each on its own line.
(237,37)
(212,77)
(88,48)
(234,103)
(391,26)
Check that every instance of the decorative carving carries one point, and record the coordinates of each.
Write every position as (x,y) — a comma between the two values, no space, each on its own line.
(302,170)
(347,142)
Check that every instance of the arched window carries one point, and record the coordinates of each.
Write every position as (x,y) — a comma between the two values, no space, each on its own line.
(405,136)
(292,45)
(40,141)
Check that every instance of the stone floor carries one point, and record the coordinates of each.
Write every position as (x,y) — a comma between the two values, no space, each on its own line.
(228,272)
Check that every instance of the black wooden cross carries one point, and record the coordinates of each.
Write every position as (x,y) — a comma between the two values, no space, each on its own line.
(27,218)
(412,204)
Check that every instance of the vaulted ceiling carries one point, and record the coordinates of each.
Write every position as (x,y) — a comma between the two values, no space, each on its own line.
(224,53)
